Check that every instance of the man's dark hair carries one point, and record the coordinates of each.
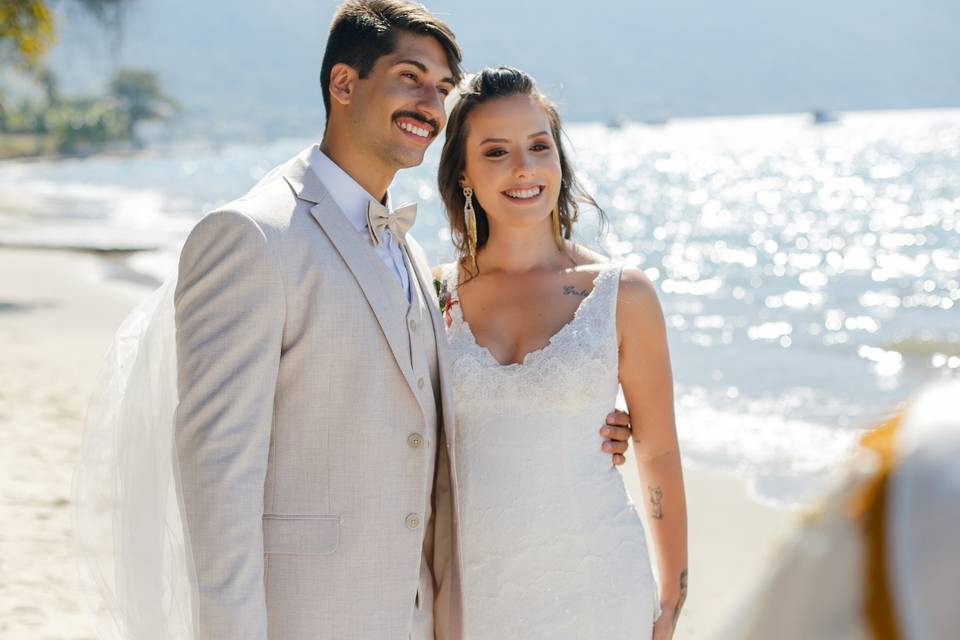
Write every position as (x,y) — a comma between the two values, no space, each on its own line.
(363,31)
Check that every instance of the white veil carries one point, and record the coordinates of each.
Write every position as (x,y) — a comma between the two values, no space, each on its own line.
(130,535)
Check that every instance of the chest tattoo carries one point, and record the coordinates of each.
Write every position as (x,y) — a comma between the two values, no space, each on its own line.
(571,290)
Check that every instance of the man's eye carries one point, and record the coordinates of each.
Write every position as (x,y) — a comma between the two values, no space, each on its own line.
(445,92)
(409,74)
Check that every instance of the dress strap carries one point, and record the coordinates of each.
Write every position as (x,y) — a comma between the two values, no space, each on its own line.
(605,289)
(614,273)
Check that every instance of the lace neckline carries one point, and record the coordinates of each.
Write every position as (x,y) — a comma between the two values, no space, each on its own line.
(535,354)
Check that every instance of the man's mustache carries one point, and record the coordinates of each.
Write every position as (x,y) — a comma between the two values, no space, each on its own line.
(433,124)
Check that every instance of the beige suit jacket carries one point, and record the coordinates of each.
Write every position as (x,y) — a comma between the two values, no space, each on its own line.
(294,428)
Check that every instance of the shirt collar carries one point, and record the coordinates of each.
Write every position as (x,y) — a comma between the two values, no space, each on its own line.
(345,191)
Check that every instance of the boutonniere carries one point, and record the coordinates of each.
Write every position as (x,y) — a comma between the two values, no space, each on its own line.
(445,300)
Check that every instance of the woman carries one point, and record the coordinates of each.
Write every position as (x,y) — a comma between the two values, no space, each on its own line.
(542,331)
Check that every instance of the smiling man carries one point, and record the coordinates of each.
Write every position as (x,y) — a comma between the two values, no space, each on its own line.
(315,431)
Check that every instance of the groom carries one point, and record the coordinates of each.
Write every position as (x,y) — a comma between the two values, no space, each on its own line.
(315,431)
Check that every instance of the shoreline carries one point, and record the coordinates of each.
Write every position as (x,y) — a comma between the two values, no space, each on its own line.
(614,120)
(57,319)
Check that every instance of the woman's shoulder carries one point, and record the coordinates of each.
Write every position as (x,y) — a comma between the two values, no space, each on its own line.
(637,298)
(588,259)
(634,283)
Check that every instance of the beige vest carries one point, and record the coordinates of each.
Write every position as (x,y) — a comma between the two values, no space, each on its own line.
(423,361)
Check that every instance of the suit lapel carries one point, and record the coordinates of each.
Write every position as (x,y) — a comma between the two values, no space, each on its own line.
(359,258)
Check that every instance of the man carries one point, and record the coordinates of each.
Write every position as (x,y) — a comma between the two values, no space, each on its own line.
(315,427)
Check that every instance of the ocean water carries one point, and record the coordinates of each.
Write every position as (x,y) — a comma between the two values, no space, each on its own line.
(809,275)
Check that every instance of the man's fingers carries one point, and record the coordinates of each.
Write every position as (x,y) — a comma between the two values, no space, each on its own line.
(616,433)
(612,446)
(619,418)
(621,434)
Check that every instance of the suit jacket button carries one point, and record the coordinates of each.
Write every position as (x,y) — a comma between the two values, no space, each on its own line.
(413,324)
(420,383)
(413,521)
(415,440)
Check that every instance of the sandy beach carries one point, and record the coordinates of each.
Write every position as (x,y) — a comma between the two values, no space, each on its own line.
(57,317)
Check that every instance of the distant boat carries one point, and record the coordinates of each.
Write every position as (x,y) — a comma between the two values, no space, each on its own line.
(821,116)
(620,121)
(617,122)
(655,121)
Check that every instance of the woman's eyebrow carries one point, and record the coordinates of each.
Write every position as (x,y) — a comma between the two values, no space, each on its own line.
(532,135)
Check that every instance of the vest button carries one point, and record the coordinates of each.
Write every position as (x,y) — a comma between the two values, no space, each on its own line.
(413,324)
(412,521)
(415,440)
(420,383)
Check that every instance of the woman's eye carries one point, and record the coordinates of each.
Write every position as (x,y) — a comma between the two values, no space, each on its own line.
(445,92)
(540,147)
(495,153)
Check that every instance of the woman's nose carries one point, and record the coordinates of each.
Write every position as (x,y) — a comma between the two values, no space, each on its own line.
(524,166)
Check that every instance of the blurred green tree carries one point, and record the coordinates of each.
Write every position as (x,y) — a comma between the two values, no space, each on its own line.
(50,85)
(139,96)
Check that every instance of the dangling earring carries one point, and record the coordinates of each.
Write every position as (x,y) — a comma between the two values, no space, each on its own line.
(555,217)
(470,220)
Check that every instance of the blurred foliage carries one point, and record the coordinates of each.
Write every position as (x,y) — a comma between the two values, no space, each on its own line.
(83,125)
(138,94)
(28,29)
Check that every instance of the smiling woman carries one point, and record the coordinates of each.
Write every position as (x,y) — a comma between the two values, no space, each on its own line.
(500,95)
(542,333)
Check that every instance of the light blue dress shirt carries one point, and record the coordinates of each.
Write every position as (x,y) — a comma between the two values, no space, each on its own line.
(352,200)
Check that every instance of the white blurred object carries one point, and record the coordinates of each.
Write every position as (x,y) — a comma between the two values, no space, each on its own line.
(821,582)
(924,516)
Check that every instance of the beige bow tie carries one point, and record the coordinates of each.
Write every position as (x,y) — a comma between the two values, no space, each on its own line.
(397,222)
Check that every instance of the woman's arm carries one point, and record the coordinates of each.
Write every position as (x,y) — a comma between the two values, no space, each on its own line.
(647,383)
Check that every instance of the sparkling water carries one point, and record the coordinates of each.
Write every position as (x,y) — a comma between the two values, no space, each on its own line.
(809,275)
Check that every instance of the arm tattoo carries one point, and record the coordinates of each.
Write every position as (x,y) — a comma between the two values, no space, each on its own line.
(656,502)
(683,597)
(571,290)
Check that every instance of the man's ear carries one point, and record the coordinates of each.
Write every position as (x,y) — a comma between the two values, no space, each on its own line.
(343,83)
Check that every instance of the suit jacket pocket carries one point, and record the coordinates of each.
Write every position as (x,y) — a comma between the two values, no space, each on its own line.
(300,534)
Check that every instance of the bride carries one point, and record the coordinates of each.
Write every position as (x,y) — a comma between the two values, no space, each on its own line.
(542,331)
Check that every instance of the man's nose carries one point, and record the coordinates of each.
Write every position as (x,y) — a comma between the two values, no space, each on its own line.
(430,105)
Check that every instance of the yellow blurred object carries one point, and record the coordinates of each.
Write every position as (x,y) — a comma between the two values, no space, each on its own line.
(29,26)
(870,508)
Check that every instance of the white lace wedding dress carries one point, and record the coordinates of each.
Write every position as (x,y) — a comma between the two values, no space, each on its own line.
(552,546)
